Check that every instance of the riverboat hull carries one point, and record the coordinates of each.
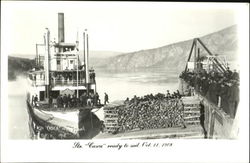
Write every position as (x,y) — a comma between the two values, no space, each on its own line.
(77,124)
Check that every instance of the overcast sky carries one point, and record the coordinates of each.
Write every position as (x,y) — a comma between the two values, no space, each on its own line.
(116,26)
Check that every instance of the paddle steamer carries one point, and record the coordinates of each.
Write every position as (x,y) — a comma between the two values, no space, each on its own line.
(56,86)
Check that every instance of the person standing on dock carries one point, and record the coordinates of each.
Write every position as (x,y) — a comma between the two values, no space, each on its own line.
(106,98)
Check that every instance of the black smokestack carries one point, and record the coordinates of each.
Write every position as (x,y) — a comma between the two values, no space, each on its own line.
(60,27)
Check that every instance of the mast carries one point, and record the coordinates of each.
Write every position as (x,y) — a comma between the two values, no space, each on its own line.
(77,78)
(86,61)
(195,55)
(46,63)
(84,50)
(36,55)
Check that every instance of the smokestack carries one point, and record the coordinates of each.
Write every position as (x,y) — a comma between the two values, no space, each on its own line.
(60,27)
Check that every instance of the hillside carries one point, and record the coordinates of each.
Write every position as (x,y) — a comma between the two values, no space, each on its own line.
(174,56)
(18,66)
(95,57)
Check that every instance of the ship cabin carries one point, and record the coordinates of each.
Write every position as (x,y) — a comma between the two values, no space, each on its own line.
(66,73)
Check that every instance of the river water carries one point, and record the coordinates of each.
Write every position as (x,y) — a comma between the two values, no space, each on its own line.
(18,115)
(118,85)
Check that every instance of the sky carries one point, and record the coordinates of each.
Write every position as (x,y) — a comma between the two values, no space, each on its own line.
(112,26)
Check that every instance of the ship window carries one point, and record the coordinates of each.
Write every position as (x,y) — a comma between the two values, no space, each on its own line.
(58,62)
(71,61)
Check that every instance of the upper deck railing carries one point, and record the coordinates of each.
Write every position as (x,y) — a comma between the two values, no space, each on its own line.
(62,78)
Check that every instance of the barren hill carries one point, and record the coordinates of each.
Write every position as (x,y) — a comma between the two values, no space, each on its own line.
(174,56)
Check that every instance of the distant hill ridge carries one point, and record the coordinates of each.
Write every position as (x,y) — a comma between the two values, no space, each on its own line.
(174,56)
(19,64)
(93,54)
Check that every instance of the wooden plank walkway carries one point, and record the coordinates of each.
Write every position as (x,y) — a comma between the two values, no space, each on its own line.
(194,131)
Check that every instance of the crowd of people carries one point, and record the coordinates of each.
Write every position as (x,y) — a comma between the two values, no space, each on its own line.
(63,101)
(222,89)
(71,101)
(151,112)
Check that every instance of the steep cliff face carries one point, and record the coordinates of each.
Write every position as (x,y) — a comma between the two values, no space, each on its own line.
(174,56)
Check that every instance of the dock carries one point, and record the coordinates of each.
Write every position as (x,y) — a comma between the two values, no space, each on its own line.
(191,132)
